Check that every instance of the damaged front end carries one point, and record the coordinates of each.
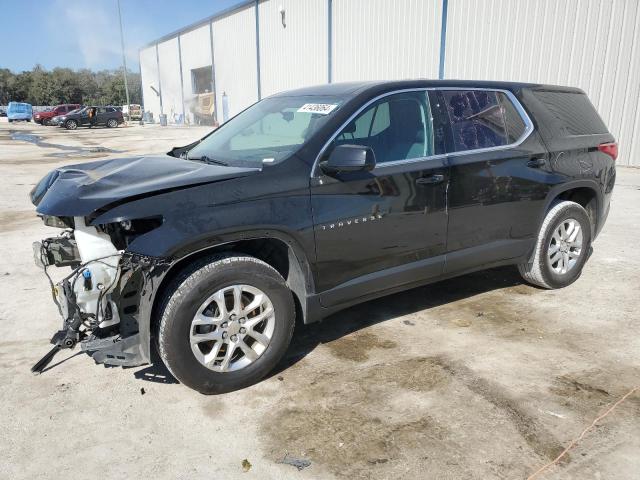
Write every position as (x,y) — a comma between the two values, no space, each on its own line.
(107,292)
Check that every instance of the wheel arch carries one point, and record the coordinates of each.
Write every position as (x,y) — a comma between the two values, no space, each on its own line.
(278,250)
(586,193)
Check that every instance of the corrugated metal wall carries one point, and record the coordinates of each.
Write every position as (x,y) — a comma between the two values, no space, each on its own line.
(170,78)
(234,40)
(591,44)
(196,53)
(294,54)
(385,39)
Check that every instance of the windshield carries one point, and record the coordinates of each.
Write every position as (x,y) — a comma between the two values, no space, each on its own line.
(267,132)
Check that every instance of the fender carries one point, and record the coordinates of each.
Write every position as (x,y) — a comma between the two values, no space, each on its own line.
(217,241)
(557,190)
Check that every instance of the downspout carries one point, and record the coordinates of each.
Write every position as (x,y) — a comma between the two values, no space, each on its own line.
(443,38)
(184,115)
(213,77)
(258,49)
(329,40)
(159,80)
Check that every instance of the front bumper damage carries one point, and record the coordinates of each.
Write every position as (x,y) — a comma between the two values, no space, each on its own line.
(105,302)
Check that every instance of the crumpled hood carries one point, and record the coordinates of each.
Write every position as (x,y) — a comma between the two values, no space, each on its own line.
(79,190)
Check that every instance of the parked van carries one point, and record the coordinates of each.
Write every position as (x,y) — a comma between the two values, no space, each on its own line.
(19,111)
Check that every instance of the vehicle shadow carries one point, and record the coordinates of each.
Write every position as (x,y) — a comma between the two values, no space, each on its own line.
(307,337)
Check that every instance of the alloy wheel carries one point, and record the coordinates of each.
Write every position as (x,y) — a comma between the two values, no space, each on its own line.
(232,328)
(565,246)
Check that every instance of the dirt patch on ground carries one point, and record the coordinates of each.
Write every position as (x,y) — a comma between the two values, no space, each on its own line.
(389,415)
(11,220)
(332,423)
(500,312)
(357,346)
(534,433)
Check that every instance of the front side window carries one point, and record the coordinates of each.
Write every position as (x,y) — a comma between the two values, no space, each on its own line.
(397,127)
(268,131)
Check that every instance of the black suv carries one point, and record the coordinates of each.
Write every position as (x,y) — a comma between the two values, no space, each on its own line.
(313,200)
(106,116)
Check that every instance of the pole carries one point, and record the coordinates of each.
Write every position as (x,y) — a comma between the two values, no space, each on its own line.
(124,62)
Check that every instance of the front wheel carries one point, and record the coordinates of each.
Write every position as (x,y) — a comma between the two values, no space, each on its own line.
(225,323)
(562,247)
(71,124)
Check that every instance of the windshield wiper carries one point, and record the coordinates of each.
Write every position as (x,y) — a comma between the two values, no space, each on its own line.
(210,161)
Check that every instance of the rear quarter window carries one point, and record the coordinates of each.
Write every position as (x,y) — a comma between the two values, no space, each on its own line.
(574,113)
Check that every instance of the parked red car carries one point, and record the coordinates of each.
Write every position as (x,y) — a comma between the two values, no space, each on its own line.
(44,117)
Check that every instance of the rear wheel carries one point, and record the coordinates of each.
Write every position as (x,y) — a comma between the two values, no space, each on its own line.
(112,123)
(71,124)
(562,247)
(225,323)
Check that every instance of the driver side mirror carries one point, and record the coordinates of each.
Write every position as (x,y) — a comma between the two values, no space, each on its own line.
(349,158)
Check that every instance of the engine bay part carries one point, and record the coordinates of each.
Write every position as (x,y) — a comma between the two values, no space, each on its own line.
(84,296)
(59,251)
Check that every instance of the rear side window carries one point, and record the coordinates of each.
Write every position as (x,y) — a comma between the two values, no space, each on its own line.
(513,122)
(480,119)
(573,111)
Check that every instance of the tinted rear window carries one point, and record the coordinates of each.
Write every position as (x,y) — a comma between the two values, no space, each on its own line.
(573,111)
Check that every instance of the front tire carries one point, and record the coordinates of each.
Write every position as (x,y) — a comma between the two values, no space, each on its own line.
(225,323)
(562,247)
(71,124)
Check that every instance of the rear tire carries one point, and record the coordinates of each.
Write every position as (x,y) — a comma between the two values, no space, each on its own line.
(192,303)
(112,123)
(70,124)
(562,247)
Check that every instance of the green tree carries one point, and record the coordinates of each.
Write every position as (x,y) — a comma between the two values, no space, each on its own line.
(63,85)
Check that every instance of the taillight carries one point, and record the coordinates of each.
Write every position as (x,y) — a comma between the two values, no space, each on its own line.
(610,149)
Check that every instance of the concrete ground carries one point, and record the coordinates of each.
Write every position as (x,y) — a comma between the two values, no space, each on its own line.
(477,377)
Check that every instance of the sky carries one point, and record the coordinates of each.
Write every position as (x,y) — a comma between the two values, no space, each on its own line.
(85,33)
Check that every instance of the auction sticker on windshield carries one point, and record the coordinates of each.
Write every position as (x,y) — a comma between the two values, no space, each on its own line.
(321,108)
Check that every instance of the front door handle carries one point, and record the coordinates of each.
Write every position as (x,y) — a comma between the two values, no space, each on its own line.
(430,179)
(536,163)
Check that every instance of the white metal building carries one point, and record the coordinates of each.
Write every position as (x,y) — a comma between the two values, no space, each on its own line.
(261,47)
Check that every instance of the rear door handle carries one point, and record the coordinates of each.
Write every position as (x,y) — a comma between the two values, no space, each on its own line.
(430,179)
(536,163)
